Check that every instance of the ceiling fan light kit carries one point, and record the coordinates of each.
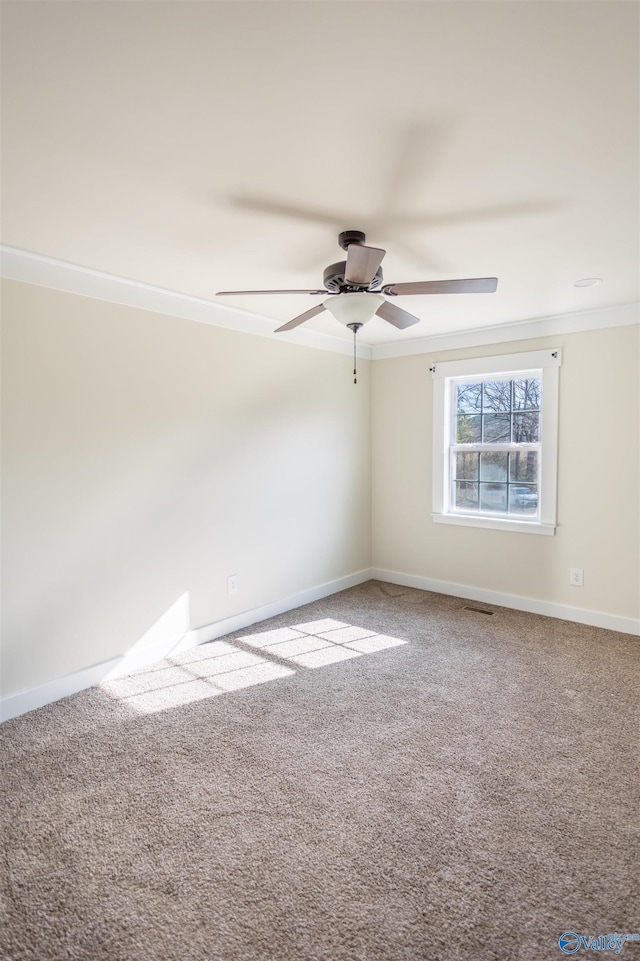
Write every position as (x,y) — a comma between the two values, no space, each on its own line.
(354,308)
(356,289)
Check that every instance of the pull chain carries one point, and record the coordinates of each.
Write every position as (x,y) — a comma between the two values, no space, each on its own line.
(355,379)
(355,328)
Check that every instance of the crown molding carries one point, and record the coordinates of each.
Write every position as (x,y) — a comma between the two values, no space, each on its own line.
(621,316)
(41,271)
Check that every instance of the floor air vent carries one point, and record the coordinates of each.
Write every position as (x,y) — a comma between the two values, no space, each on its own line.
(478,610)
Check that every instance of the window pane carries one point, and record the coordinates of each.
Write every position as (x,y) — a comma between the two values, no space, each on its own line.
(523,500)
(526,394)
(466,466)
(497,395)
(468,398)
(491,463)
(493,497)
(497,428)
(468,429)
(465,496)
(526,428)
(493,467)
(523,466)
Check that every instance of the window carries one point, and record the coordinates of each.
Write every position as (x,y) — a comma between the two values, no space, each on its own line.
(495,441)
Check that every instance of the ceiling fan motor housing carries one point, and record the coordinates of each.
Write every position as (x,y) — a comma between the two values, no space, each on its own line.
(333,279)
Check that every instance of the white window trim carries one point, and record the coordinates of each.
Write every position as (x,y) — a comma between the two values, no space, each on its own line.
(545,362)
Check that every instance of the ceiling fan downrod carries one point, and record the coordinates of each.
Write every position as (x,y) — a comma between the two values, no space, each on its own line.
(348,237)
(355,328)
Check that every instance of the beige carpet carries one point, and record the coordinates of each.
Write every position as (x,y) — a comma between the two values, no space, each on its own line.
(378,776)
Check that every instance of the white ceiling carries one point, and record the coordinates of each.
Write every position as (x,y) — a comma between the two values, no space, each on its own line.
(469,139)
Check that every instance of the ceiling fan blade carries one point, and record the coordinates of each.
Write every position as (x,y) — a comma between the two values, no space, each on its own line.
(282,208)
(475,285)
(396,315)
(241,293)
(362,263)
(300,319)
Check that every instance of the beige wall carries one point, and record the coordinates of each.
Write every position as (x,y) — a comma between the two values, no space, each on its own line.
(598,482)
(145,458)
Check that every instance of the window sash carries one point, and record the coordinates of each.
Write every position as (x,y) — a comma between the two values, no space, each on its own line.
(493,448)
(508,483)
(542,363)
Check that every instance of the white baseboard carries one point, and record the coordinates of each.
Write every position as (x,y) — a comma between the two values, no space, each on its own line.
(33,698)
(627,625)
(239,621)
(25,701)
(29,700)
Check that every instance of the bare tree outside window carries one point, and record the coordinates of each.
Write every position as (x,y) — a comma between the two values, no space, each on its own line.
(503,415)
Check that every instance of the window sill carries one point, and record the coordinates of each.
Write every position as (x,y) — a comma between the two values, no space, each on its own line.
(495,523)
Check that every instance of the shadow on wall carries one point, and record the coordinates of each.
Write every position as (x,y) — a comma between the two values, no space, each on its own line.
(221,667)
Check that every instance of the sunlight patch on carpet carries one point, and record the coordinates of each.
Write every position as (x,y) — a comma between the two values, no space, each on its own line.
(317,627)
(326,655)
(271,637)
(205,671)
(319,643)
(221,667)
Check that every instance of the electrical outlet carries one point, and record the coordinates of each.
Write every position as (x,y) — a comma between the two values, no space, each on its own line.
(232,584)
(576,576)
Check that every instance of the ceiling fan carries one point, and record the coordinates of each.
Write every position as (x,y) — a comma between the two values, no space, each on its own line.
(356,290)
